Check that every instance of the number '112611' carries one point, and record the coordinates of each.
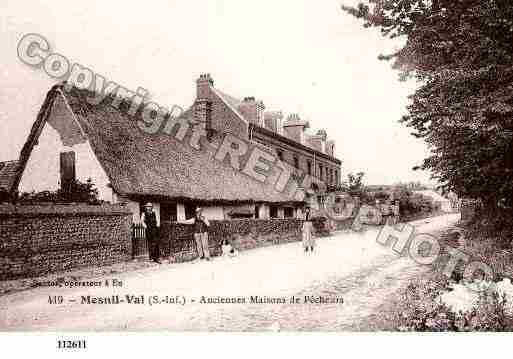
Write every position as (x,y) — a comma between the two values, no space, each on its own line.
(71,344)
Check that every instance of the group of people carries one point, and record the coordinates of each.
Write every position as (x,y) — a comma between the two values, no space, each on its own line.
(200,223)
(201,226)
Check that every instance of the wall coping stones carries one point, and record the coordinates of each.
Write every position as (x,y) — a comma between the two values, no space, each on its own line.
(72,209)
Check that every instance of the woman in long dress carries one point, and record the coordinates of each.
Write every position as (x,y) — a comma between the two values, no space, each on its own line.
(308,240)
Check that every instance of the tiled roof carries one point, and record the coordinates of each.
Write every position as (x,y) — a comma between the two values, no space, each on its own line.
(234,103)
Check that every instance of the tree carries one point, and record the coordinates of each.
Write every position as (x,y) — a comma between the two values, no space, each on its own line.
(461,52)
(354,184)
(79,192)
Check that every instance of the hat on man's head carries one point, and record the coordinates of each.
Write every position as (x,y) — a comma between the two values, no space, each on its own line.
(149,204)
(199,209)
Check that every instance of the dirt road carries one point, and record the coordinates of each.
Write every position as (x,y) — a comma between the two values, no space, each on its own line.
(346,279)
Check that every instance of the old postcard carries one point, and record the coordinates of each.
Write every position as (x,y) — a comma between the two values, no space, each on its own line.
(271,166)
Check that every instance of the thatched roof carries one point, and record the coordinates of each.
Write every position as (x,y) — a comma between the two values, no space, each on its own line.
(7,174)
(140,164)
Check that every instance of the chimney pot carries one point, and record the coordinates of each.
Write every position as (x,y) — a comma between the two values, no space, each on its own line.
(203,84)
(252,110)
(294,128)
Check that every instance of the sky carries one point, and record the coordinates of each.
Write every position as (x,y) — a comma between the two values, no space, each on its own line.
(305,57)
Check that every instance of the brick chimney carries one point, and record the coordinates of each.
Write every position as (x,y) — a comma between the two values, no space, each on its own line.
(202,107)
(294,128)
(273,120)
(252,110)
(318,141)
(330,148)
(203,86)
(68,171)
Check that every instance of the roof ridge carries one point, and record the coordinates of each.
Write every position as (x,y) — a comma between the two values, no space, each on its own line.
(155,165)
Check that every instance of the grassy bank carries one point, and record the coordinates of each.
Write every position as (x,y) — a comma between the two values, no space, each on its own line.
(417,305)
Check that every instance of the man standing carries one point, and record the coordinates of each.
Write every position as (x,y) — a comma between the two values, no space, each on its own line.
(201,225)
(149,222)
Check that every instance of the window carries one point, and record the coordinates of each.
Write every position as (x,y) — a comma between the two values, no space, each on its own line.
(288,212)
(336,177)
(331,175)
(296,162)
(273,212)
(257,211)
(190,210)
(280,155)
(168,212)
(320,172)
(309,167)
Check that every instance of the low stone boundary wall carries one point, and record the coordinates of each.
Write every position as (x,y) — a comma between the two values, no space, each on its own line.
(177,240)
(40,239)
(344,224)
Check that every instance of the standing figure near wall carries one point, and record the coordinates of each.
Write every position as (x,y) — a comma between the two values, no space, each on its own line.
(386,213)
(201,225)
(149,222)
(308,240)
(396,212)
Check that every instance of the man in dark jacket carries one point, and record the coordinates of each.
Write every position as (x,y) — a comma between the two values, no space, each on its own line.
(149,222)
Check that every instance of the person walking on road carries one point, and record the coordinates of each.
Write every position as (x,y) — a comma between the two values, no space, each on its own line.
(201,225)
(149,222)
(306,230)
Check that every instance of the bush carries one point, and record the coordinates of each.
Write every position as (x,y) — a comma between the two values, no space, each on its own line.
(490,240)
(76,191)
(421,310)
(412,205)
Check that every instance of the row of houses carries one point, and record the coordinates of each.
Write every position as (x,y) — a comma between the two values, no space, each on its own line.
(74,139)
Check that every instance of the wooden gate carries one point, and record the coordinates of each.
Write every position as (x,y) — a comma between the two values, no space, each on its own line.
(139,242)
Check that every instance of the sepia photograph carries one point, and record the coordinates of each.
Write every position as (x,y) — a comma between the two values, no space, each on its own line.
(229,166)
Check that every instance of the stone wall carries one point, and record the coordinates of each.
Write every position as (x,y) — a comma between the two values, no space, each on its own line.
(177,239)
(344,224)
(36,240)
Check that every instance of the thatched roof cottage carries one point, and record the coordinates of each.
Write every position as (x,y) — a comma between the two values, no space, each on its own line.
(74,138)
